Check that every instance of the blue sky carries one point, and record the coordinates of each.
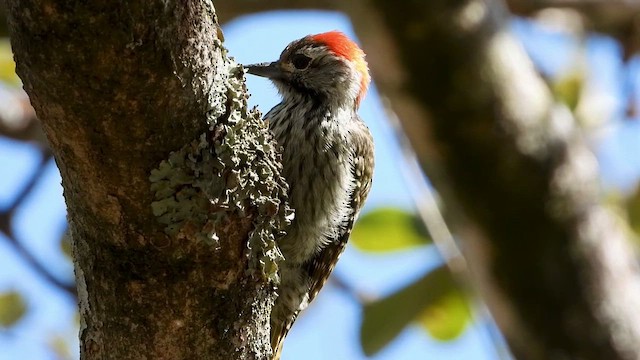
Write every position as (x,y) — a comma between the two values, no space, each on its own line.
(334,318)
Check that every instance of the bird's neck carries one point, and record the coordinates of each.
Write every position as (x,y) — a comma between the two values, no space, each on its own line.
(328,101)
(308,118)
(318,103)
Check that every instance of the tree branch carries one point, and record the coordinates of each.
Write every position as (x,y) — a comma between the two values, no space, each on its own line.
(6,217)
(550,260)
(231,9)
(616,18)
(18,121)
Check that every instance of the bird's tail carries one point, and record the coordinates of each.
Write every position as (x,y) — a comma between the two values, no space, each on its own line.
(278,332)
(277,352)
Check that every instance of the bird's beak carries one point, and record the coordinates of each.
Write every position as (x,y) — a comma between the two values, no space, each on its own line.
(269,70)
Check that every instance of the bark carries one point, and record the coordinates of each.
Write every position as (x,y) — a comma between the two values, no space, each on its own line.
(518,182)
(172,186)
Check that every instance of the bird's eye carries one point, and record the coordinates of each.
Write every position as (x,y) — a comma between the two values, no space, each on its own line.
(300,61)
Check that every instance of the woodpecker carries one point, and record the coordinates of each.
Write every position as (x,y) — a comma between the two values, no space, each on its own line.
(327,157)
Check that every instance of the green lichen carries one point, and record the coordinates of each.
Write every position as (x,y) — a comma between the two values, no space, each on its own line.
(232,169)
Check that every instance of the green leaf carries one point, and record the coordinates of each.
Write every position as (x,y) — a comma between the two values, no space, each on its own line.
(65,244)
(12,308)
(7,66)
(446,318)
(434,300)
(389,229)
(60,347)
(633,210)
(568,88)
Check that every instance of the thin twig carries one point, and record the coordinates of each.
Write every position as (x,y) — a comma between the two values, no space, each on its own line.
(428,210)
(6,217)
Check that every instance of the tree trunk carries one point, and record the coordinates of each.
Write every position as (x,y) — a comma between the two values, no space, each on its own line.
(172,186)
(552,263)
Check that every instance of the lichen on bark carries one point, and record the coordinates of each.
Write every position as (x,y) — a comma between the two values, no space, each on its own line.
(234,167)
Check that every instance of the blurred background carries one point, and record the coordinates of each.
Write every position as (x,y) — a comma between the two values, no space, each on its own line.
(374,306)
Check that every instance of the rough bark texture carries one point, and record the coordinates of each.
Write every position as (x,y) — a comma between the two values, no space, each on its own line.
(552,263)
(118,86)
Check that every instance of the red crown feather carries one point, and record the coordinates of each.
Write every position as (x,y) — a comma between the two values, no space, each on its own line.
(342,46)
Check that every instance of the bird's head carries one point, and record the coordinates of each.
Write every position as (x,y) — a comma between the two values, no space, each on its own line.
(328,66)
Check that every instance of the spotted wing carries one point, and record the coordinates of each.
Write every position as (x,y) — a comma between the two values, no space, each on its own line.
(321,266)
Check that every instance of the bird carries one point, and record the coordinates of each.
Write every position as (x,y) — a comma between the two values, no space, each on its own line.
(327,158)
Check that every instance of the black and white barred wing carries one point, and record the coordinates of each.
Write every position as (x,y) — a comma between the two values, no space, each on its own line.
(321,266)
